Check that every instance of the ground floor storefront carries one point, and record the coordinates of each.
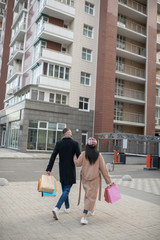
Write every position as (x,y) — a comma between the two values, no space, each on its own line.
(37,126)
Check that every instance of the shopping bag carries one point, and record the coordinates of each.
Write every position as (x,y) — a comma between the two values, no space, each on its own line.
(112,194)
(54,191)
(39,184)
(47,184)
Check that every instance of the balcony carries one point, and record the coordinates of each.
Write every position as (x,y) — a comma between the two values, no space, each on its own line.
(1,13)
(133,9)
(16,5)
(158,60)
(132,30)
(131,51)
(157,122)
(19,15)
(129,95)
(53,83)
(130,73)
(158,100)
(16,52)
(14,73)
(56,57)
(58,9)
(56,34)
(158,80)
(128,118)
(19,34)
(2,3)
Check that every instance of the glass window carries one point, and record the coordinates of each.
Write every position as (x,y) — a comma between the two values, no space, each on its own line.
(41,96)
(41,145)
(88,31)
(51,140)
(67,74)
(58,98)
(86,54)
(45,66)
(52,125)
(61,72)
(51,97)
(34,94)
(50,70)
(13,140)
(83,103)
(64,99)
(85,78)
(89,8)
(33,123)
(32,139)
(56,71)
(42,124)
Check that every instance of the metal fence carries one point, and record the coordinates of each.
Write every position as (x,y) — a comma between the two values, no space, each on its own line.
(136,144)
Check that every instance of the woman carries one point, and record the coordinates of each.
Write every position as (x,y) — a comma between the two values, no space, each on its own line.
(93,165)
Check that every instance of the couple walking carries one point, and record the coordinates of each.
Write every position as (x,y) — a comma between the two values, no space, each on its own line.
(92,164)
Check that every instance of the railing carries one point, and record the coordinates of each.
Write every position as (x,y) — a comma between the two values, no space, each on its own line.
(138,72)
(158,38)
(14,70)
(158,18)
(133,26)
(21,27)
(17,47)
(158,79)
(131,47)
(135,5)
(1,11)
(157,100)
(129,117)
(130,93)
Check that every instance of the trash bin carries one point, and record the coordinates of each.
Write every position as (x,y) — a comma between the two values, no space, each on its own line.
(149,161)
(122,158)
(155,162)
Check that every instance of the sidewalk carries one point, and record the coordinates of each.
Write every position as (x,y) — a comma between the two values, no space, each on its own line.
(26,215)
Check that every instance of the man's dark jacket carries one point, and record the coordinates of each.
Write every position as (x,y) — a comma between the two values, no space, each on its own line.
(66,148)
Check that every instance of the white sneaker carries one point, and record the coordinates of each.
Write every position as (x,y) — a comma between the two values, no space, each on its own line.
(83,221)
(67,210)
(55,213)
(92,213)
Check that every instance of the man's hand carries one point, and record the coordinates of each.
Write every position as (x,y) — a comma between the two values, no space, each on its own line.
(48,173)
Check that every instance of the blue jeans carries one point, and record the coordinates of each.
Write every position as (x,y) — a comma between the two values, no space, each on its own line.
(64,197)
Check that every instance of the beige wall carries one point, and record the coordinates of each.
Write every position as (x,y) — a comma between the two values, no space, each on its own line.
(78,64)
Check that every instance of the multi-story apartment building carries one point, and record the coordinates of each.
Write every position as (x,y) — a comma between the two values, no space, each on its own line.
(86,64)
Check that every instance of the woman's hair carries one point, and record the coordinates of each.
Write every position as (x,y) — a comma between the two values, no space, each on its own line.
(91,153)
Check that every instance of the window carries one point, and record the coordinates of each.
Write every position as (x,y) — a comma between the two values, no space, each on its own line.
(85,78)
(56,71)
(34,94)
(43,135)
(51,97)
(41,96)
(58,98)
(88,31)
(86,54)
(89,8)
(84,103)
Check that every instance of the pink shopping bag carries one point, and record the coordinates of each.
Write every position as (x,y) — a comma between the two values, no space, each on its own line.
(112,194)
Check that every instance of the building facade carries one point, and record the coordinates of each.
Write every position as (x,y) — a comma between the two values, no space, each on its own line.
(87,65)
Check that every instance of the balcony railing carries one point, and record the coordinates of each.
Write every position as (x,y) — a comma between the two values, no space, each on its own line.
(138,72)
(132,26)
(135,5)
(17,47)
(1,11)
(158,79)
(14,70)
(21,27)
(131,48)
(129,93)
(129,117)
(157,100)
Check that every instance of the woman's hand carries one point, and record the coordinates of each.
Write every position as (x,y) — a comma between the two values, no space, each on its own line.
(48,173)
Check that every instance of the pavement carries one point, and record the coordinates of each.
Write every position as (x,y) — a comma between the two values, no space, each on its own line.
(24,214)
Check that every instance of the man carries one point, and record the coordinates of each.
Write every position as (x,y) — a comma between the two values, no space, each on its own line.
(66,148)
